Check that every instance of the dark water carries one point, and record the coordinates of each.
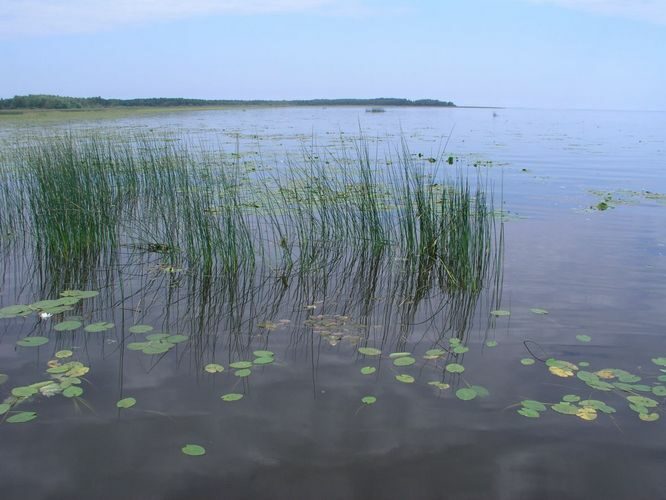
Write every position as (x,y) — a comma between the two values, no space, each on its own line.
(301,430)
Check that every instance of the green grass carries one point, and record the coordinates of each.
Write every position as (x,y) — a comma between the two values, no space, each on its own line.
(77,200)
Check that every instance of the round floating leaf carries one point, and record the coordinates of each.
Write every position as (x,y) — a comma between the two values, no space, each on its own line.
(126,403)
(65,353)
(22,417)
(193,450)
(565,408)
(527,361)
(460,349)
(159,348)
(241,364)
(584,364)
(642,401)
(583,338)
(439,385)
(533,405)
(648,417)
(14,311)
(500,313)
(661,378)
(537,310)
(587,376)
(368,370)
(560,372)
(264,354)
(177,339)
(600,385)
(455,368)
(587,413)
(639,409)
(232,396)
(659,361)
(454,341)
(98,327)
(141,329)
(243,373)
(214,368)
(67,326)
(157,336)
(395,355)
(491,343)
(265,360)
(137,346)
(571,398)
(80,294)
(32,341)
(72,391)
(404,361)
(529,413)
(466,394)
(481,391)
(404,378)
(4,408)
(24,391)
(597,405)
(369,351)
(369,400)
(659,390)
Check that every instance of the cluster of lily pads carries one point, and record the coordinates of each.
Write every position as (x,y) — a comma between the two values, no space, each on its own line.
(405,359)
(242,369)
(65,379)
(47,308)
(615,380)
(155,343)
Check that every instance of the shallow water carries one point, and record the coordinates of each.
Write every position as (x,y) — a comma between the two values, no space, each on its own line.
(301,430)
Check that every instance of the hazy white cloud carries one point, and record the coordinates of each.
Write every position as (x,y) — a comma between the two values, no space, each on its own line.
(47,17)
(653,11)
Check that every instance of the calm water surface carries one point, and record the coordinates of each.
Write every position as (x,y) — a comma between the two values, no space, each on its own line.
(301,430)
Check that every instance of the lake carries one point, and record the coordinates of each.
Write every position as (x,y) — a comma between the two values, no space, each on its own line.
(525,360)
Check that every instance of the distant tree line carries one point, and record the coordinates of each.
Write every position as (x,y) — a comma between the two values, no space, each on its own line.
(61,102)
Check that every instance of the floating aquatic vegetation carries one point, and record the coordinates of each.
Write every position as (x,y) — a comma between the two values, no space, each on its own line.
(102,326)
(68,325)
(583,338)
(395,355)
(368,400)
(3,378)
(193,450)
(527,361)
(15,311)
(369,351)
(65,353)
(232,396)
(241,364)
(491,343)
(368,370)
(466,394)
(405,379)
(32,341)
(404,361)
(22,417)
(141,329)
(539,311)
(243,373)
(214,368)
(126,403)
(455,368)
(157,343)
(500,313)
(439,385)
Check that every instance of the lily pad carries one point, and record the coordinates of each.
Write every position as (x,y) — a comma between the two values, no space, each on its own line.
(22,417)
(243,373)
(99,327)
(193,450)
(642,401)
(395,355)
(527,361)
(481,391)
(65,353)
(368,400)
(571,398)
(67,326)
(659,361)
(491,343)
(435,352)
(241,364)
(14,311)
(659,390)
(565,408)
(126,403)
(648,417)
(232,396)
(460,349)
(368,370)
(213,368)
(80,294)
(32,341)
(533,405)
(466,394)
(404,361)
(369,351)
(177,339)
(265,360)
(529,413)
(141,329)
(500,313)
(404,378)
(264,354)
(537,310)
(583,338)
(4,408)
(24,391)
(455,368)
(439,385)
(72,391)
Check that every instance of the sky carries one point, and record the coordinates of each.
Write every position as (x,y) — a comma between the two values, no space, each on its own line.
(583,54)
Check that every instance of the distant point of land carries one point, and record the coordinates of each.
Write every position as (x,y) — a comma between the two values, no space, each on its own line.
(73,103)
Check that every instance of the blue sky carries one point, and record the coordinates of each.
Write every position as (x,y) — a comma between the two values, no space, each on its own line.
(531,53)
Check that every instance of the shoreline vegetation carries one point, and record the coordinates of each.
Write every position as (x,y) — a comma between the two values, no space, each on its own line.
(54,102)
